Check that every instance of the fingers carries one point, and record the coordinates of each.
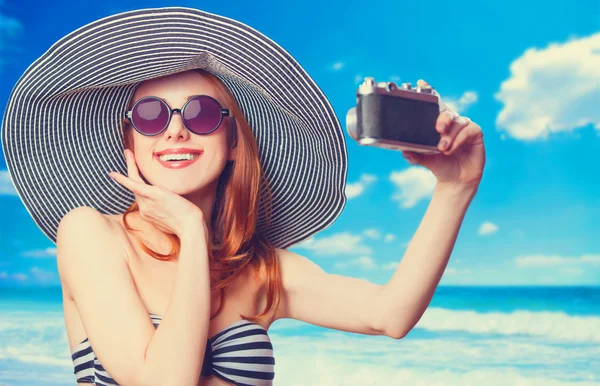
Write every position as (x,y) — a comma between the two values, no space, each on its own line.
(422,83)
(469,134)
(132,170)
(133,181)
(456,126)
(138,188)
(455,129)
(410,156)
(445,121)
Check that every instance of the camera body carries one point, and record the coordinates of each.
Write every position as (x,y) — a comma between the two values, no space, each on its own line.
(393,117)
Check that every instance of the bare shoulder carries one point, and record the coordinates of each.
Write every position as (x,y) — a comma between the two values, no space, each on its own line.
(85,217)
(106,306)
(81,224)
(81,213)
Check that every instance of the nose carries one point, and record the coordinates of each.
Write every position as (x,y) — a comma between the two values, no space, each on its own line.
(176,128)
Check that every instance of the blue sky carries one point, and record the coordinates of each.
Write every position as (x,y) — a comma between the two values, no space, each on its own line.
(526,72)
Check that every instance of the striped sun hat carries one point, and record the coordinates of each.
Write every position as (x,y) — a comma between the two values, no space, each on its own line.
(61,132)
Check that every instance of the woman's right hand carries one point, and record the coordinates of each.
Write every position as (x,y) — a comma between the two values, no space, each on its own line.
(168,211)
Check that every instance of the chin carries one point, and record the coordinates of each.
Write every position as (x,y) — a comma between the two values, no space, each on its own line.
(186,187)
(183,188)
(186,183)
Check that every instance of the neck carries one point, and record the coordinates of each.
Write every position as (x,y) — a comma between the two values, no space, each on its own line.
(204,199)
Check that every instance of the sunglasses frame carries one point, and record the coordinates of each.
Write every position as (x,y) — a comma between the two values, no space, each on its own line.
(128,114)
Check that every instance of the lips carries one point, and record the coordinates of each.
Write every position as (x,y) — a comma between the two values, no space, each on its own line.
(181,150)
(177,164)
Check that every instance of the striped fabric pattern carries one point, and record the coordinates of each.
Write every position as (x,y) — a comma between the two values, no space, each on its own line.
(61,133)
(241,354)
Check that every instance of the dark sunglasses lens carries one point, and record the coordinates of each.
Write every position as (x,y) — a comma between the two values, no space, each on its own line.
(150,116)
(202,114)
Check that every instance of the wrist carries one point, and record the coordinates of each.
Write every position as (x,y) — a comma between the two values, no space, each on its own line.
(192,227)
(460,195)
(457,188)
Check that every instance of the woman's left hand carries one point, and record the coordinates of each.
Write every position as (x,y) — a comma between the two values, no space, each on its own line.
(461,160)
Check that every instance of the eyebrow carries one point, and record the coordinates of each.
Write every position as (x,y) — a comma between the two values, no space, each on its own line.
(188,97)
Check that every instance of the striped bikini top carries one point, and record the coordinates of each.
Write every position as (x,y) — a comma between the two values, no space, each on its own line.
(241,354)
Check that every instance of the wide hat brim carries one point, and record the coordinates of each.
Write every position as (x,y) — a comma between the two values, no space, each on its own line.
(61,132)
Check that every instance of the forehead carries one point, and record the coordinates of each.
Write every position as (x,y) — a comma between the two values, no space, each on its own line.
(176,89)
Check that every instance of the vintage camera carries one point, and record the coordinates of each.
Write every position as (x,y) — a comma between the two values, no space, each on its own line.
(393,117)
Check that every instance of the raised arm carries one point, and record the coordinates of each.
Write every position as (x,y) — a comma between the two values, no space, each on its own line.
(458,170)
(92,264)
(355,305)
(404,299)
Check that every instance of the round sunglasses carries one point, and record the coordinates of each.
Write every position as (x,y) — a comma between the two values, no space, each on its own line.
(201,114)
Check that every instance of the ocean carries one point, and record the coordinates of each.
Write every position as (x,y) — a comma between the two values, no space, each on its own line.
(522,336)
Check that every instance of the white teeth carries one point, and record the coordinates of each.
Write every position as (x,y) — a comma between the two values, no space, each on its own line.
(177,157)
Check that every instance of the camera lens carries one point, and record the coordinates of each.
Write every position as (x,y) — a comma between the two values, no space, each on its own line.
(351,123)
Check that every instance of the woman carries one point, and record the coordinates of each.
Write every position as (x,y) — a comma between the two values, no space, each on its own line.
(173,274)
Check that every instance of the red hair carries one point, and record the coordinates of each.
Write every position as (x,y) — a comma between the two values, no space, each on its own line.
(234,243)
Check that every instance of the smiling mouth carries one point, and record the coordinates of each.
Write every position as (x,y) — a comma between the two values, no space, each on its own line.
(179,163)
(187,157)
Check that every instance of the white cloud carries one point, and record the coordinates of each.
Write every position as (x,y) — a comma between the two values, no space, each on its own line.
(337,244)
(572,271)
(338,66)
(414,184)
(356,189)
(358,79)
(42,276)
(461,104)
(363,262)
(552,89)
(389,238)
(19,276)
(37,275)
(556,260)
(367,263)
(41,253)
(6,185)
(487,228)
(372,234)
(456,272)
(368,178)
(390,266)
(9,28)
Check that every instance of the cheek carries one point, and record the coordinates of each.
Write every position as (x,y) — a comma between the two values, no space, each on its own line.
(143,155)
(217,152)
(218,143)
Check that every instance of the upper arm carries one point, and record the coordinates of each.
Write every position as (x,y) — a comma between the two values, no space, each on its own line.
(92,265)
(329,300)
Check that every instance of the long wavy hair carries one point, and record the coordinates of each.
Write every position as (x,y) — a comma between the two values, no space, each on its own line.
(234,242)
